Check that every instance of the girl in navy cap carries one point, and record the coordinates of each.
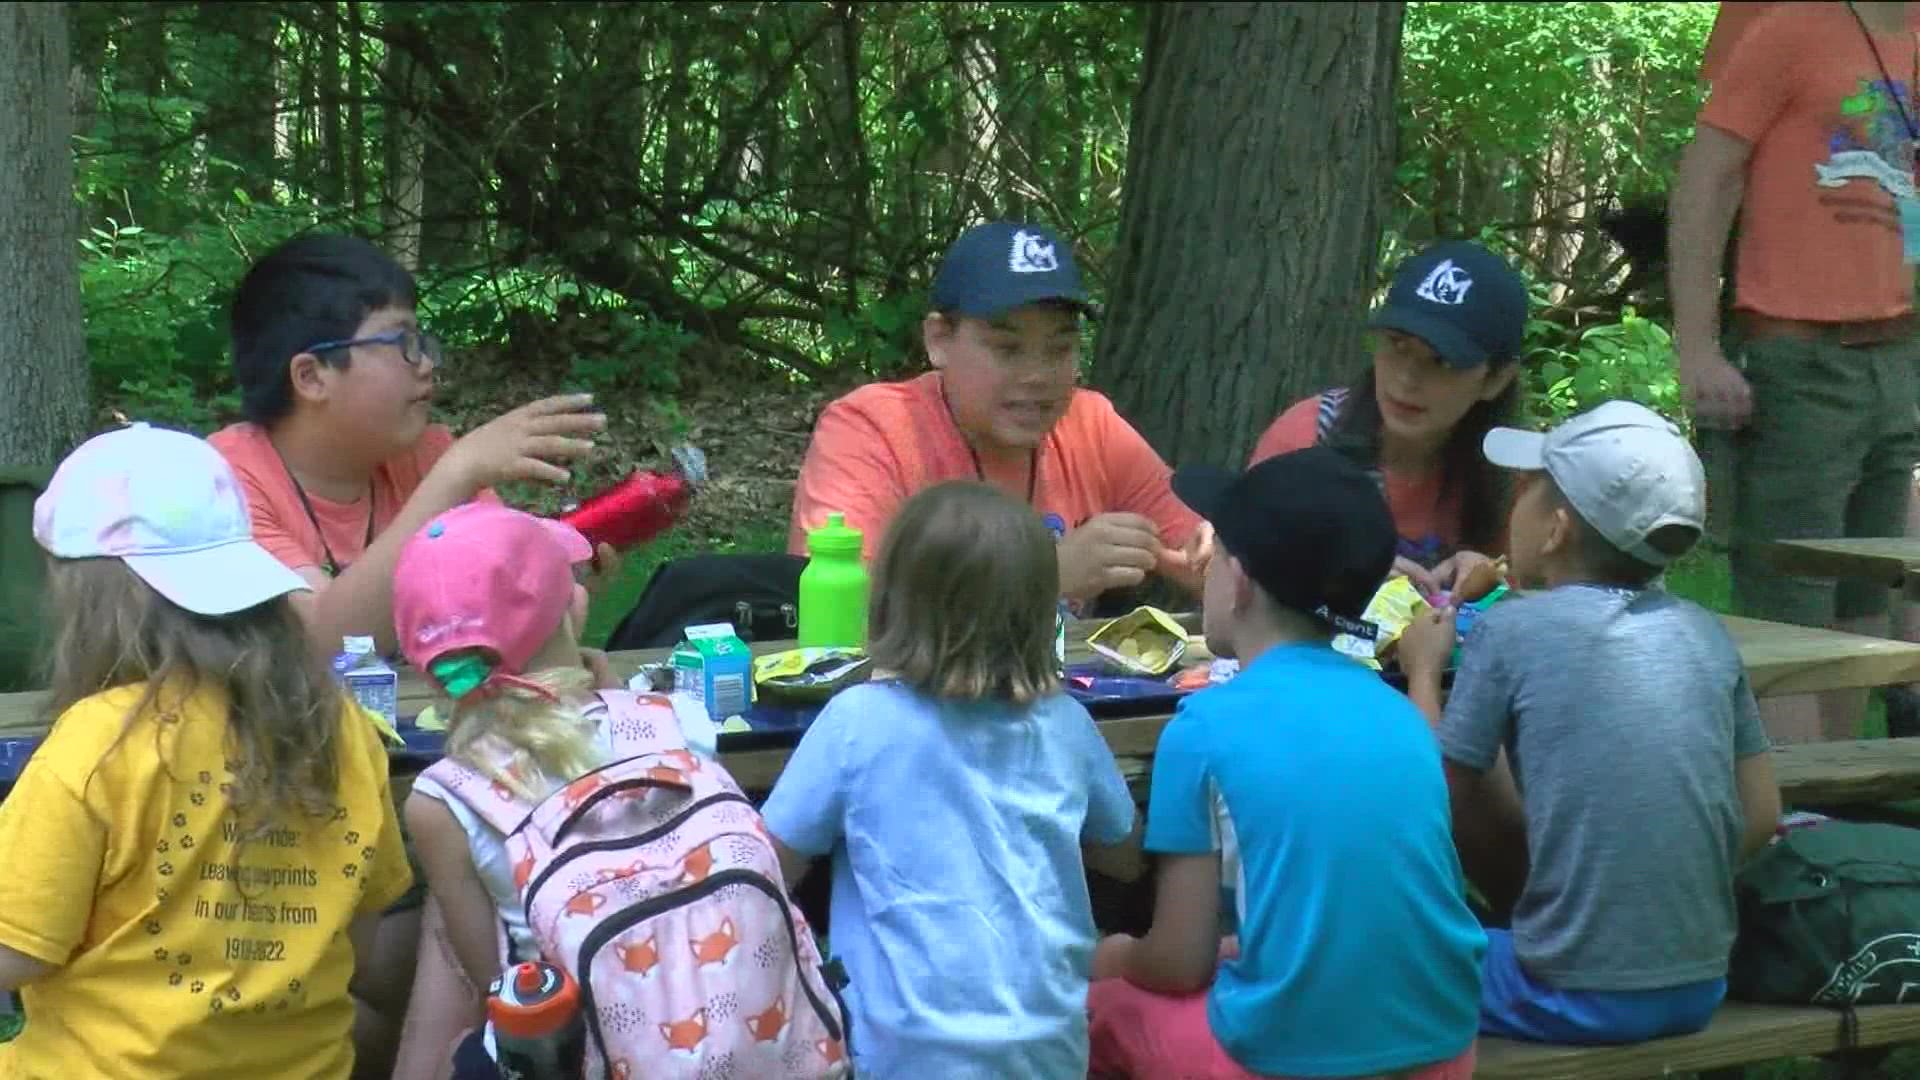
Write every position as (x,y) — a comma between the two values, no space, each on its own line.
(1445,355)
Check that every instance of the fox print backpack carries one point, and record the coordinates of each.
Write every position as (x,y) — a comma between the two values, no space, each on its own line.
(653,881)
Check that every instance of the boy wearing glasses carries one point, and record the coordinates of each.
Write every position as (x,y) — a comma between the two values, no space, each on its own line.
(340,466)
(337,456)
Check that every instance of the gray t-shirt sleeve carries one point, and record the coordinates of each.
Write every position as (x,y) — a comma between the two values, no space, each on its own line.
(1749,735)
(1479,713)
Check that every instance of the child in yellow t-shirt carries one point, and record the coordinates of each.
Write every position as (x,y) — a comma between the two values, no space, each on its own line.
(199,851)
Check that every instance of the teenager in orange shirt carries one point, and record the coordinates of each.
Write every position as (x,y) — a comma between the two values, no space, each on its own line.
(340,466)
(1810,137)
(1445,355)
(1001,407)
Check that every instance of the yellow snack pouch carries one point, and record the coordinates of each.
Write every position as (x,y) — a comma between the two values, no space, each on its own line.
(1144,641)
(1391,611)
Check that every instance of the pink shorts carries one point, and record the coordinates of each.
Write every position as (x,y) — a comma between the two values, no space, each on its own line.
(1138,1033)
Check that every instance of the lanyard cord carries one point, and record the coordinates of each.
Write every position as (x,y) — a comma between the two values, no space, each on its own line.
(333,568)
(1913,132)
(1033,457)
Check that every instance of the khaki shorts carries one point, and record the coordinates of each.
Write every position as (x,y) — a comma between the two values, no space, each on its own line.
(1829,452)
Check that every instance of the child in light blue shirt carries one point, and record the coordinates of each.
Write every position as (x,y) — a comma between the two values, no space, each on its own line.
(953,794)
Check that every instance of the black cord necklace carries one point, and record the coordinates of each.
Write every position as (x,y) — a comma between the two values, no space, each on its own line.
(1033,456)
(331,566)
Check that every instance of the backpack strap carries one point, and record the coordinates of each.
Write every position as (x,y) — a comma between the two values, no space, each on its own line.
(1327,412)
(496,805)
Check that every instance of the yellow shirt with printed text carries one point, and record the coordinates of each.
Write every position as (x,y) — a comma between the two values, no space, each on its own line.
(181,952)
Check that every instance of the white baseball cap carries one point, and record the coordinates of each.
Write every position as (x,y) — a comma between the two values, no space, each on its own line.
(167,505)
(1624,468)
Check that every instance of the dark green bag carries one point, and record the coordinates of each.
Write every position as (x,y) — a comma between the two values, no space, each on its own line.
(1830,915)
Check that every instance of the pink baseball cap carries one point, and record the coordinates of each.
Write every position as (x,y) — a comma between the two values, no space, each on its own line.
(168,506)
(488,577)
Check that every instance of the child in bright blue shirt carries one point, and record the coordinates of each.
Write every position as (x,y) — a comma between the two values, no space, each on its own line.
(1314,792)
(954,793)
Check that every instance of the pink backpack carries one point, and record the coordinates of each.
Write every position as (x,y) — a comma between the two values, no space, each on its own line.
(653,881)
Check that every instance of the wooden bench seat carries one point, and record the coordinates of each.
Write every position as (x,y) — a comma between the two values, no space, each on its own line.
(1741,1034)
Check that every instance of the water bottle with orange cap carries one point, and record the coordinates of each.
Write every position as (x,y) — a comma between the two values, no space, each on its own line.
(537,1028)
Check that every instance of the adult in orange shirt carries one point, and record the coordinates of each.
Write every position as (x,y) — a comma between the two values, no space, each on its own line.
(1001,407)
(1445,354)
(1810,136)
(340,466)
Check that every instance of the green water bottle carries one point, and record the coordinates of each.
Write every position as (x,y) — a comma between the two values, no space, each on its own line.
(833,588)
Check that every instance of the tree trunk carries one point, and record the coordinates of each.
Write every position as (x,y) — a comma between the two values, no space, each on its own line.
(1258,161)
(406,149)
(43,361)
(356,108)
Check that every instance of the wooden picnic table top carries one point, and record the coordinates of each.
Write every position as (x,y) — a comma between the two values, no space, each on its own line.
(1780,659)
(1889,559)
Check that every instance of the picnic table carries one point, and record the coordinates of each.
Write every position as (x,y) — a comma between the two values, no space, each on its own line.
(1894,561)
(1779,658)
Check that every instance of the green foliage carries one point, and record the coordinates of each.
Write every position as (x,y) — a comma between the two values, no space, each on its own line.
(1630,359)
(778,180)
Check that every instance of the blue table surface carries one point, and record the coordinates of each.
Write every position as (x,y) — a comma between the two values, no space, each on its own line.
(771,724)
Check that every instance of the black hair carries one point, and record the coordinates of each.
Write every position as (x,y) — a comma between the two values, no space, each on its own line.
(1604,564)
(312,288)
(1482,487)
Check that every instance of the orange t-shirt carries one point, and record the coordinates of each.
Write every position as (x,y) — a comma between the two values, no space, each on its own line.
(280,522)
(1729,23)
(880,444)
(1819,235)
(1427,518)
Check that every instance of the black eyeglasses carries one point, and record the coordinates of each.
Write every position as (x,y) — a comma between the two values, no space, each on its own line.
(415,345)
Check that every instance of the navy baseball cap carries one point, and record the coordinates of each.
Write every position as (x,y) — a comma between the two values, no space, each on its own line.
(1311,528)
(1002,265)
(1461,299)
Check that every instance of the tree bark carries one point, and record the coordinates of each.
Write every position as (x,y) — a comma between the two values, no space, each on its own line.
(406,149)
(43,361)
(1259,157)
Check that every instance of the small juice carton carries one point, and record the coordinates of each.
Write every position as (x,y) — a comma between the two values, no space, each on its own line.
(716,667)
(371,681)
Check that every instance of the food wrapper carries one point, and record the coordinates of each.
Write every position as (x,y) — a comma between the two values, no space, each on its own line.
(1144,641)
(811,674)
(1391,610)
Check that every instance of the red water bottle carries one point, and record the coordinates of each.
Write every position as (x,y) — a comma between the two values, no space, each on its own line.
(642,506)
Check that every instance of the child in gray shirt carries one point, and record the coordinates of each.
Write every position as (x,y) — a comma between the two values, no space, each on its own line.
(1603,731)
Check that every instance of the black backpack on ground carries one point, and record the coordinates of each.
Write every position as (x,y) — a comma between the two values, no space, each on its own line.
(758,594)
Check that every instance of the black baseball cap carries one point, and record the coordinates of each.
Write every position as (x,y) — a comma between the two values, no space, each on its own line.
(1002,265)
(1461,299)
(1310,527)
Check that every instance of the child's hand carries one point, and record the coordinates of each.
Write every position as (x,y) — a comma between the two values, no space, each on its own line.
(528,443)
(601,669)
(1427,643)
(606,567)
(1111,956)
(1421,577)
(1455,568)
(1229,948)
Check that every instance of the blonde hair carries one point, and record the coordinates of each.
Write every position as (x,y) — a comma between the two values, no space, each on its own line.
(284,708)
(965,590)
(527,743)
